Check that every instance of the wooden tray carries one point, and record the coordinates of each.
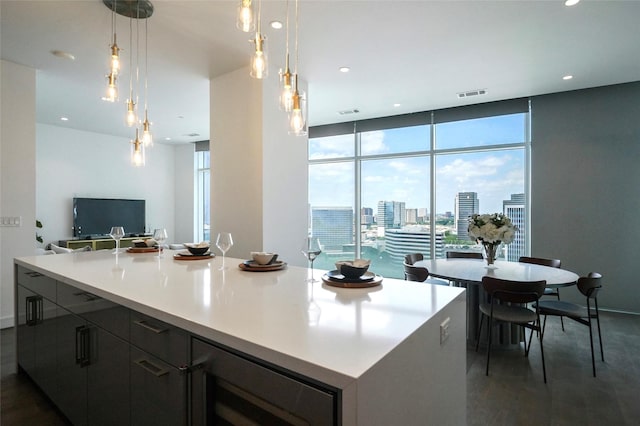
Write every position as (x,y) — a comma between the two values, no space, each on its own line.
(142,250)
(276,267)
(193,257)
(345,283)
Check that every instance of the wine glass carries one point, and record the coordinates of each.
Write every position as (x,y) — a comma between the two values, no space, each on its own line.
(311,249)
(116,233)
(224,241)
(160,235)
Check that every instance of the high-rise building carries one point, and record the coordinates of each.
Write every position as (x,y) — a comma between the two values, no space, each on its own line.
(514,209)
(412,239)
(333,226)
(366,216)
(467,203)
(391,215)
(411,216)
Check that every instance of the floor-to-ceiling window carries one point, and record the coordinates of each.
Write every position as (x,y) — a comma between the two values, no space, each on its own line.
(382,188)
(202,194)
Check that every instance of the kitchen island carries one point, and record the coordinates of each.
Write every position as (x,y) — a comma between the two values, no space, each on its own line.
(390,354)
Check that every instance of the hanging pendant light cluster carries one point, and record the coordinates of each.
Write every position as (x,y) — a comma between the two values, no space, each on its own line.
(292,100)
(133,9)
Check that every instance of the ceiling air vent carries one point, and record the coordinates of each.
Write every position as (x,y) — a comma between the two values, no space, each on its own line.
(349,111)
(192,135)
(472,93)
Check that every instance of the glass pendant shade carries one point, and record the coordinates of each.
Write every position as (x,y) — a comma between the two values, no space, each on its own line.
(115,57)
(112,89)
(245,21)
(137,152)
(147,138)
(298,115)
(259,64)
(286,88)
(131,113)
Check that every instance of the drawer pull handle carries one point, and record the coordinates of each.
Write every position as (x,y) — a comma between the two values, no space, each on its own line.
(143,324)
(89,297)
(33,274)
(151,367)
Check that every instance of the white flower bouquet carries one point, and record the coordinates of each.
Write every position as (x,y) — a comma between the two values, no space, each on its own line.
(492,228)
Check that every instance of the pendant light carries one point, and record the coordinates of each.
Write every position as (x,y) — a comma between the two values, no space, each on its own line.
(137,152)
(298,114)
(131,117)
(286,88)
(147,138)
(245,21)
(112,88)
(259,64)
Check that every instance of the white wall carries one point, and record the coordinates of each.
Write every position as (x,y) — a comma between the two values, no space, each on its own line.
(73,163)
(184,193)
(17,174)
(258,171)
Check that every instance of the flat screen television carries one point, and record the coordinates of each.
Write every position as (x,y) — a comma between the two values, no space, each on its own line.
(93,217)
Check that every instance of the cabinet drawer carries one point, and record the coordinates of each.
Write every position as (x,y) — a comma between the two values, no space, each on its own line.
(36,282)
(101,312)
(160,339)
(158,391)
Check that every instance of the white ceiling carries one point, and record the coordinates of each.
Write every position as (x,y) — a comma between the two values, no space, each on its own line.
(419,54)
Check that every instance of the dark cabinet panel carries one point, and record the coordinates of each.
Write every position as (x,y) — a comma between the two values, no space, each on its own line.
(158,391)
(108,391)
(36,282)
(167,342)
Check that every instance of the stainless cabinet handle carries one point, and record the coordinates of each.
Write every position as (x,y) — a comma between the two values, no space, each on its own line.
(82,346)
(143,324)
(89,297)
(33,274)
(151,367)
(34,310)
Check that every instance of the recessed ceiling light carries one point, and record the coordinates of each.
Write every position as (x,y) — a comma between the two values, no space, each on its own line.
(396,105)
(276,25)
(167,139)
(64,119)
(63,55)
(345,69)
(571,2)
(567,77)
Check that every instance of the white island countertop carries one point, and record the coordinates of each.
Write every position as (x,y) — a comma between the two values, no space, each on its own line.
(331,334)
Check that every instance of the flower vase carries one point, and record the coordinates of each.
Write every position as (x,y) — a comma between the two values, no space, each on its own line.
(490,250)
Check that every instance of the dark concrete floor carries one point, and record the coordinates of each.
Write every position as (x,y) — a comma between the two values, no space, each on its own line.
(513,393)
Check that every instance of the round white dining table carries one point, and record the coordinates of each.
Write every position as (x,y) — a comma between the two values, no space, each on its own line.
(469,272)
(472,271)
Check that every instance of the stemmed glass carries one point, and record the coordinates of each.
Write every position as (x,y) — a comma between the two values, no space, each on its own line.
(117,232)
(224,241)
(160,235)
(311,249)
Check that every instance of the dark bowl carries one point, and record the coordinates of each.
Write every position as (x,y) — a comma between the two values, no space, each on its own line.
(197,251)
(139,243)
(350,271)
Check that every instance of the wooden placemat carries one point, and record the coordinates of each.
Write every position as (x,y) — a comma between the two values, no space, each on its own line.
(142,249)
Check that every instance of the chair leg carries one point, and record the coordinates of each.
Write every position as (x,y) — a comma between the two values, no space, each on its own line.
(561,320)
(490,324)
(599,335)
(544,369)
(478,332)
(593,360)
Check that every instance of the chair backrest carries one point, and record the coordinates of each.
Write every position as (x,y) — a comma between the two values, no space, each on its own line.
(415,273)
(554,263)
(412,258)
(590,285)
(464,255)
(513,291)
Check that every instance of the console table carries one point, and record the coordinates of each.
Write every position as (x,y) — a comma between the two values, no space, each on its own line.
(97,243)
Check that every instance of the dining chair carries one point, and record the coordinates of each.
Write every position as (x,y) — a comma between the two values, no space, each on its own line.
(513,297)
(464,255)
(420,274)
(553,263)
(589,286)
(412,258)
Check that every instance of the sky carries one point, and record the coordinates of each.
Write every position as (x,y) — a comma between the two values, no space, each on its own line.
(494,175)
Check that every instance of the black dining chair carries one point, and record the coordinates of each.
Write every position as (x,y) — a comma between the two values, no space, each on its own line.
(464,255)
(412,258)
(507,303)
(553,263)
(589,286)
(420,274)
